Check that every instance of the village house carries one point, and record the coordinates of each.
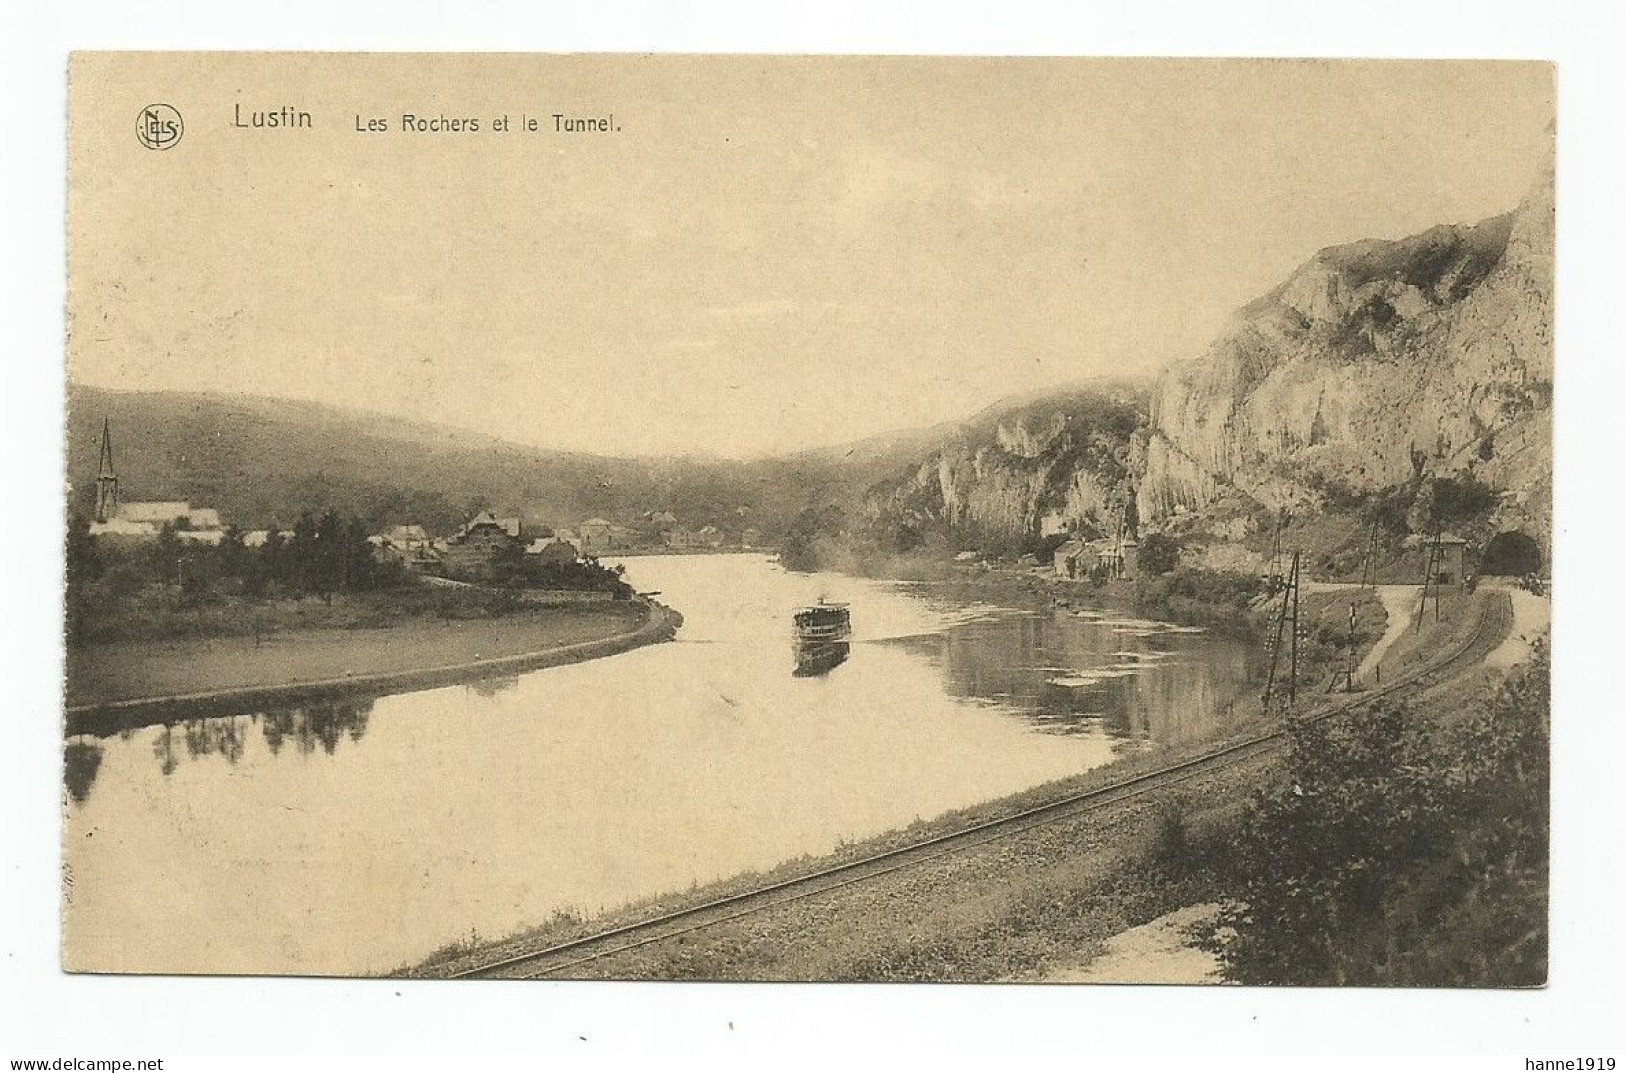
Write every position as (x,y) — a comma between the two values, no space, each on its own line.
(406,536)
(1121,557)
(551,549)
(596,535)
(1073,560)
(409,545)
(1450,565)
(708,536)
(475,551)
(258,538)
(1118,558)
(654,528)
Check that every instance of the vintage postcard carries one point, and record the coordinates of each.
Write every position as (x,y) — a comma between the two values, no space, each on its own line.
(808,518)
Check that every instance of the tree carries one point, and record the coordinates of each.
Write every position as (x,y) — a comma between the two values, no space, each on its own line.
(166,554)
(1159,554)
(84,564)
(302,554)
(1450,503)
(231,557)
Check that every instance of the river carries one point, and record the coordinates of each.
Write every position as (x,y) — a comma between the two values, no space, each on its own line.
(358,837)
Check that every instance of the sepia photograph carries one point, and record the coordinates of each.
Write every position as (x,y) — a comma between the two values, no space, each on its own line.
(858,519)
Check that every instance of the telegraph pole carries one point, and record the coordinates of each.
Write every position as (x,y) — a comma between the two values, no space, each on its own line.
(1431,580)
(1292,682)
(1288,610)
(1438,574)
(1277,556)
(1368,572)
(1350,687)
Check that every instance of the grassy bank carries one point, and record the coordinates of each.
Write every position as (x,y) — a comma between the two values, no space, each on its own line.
(120,670)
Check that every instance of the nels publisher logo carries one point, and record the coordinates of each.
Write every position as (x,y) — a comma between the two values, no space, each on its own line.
(159,126)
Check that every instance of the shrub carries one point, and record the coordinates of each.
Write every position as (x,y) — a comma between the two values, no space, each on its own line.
(1388,856)
(1159,554)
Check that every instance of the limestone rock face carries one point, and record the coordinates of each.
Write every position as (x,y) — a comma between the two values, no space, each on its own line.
(1058,463)
(1370,362)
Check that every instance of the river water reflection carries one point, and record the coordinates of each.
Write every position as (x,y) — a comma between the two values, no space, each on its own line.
(361,836)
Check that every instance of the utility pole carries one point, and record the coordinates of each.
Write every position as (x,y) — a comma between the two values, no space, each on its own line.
(1288,610)
(1431,581)
(1277,556)
(1352,612)
(1439,575)
(1368,572)
(1292,682)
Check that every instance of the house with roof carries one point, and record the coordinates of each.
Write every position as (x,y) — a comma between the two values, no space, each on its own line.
(1444,556)
(596,536)
(258,538)
(1116,558)
(707,536)
(483,543)
(1073,559)
(549,550)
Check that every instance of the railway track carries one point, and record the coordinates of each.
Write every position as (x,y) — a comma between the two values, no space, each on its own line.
(1493,621)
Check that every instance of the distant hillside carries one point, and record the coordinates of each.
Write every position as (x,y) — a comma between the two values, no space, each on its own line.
(262,461)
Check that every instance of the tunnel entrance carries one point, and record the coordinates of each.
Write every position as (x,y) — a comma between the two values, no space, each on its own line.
(1511,554)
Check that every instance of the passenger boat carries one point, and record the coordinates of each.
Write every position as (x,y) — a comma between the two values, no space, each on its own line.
(823,621)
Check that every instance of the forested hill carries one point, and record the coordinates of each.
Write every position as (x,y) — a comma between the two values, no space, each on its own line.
(262,461)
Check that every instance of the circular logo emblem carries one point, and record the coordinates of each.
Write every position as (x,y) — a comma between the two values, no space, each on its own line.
(159,126)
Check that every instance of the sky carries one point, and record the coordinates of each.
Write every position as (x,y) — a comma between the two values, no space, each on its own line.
(767,255)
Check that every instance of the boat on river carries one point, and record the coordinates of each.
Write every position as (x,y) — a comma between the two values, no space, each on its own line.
(823,621)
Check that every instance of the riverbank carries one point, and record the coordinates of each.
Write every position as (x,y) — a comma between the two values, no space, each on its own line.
(133,683)
(1219,602)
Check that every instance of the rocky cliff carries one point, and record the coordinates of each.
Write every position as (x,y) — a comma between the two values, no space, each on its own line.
(1371,363)
(1025,467)
(1374,363)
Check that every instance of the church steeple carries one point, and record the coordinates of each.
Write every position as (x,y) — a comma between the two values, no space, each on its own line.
(106,482)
